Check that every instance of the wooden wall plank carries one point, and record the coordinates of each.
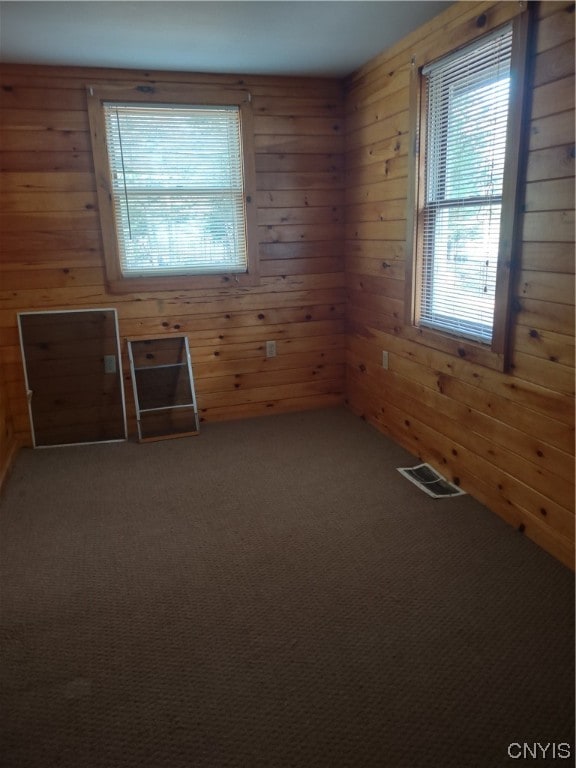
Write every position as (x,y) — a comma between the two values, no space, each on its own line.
(48,181)
(555,63)
(556,28)
(41,202)
(554,97)
(551,163)
(297,215)
(65,77)
(552,130)
(269,199)
(298,126)
(562,8)
(549,195)
(267,407)
(293,162)
(546,286)
(54,162)
(45,141)
(545,315)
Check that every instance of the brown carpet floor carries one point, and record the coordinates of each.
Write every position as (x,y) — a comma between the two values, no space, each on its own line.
(271,594)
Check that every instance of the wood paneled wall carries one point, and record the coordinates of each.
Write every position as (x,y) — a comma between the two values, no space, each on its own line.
(51,253)
(508,439)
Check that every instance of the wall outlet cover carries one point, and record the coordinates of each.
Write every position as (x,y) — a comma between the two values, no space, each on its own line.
(109,363)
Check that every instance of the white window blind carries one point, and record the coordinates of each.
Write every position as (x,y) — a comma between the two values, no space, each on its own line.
(177,188)
(467,95)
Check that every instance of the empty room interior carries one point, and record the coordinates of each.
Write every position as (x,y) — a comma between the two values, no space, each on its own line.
(255,258)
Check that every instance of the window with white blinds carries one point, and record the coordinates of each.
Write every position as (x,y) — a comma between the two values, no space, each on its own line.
(467,103)
(177,188)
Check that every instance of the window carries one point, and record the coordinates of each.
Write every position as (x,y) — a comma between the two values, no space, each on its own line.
(465,186)
(467,109)
(175,184)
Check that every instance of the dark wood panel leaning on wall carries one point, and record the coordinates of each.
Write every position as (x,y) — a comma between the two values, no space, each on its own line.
(52,253)
(8,441)
(516,452)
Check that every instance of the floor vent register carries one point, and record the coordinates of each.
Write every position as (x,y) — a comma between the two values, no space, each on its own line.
(429,481)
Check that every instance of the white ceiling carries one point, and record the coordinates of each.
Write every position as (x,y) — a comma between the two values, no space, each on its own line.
(278,37)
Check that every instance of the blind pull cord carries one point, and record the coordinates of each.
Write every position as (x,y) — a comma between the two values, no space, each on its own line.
(124,176)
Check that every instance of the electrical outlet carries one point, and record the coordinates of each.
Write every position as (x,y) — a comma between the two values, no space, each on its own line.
(270,349)
(385,360)
(109,363)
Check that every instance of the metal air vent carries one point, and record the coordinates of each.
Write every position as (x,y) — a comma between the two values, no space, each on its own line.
(429,481)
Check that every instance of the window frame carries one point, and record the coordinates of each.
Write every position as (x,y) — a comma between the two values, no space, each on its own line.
(147,93)
(497,354)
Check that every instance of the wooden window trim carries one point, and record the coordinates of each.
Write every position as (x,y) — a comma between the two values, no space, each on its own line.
(496,355)
(169,94)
